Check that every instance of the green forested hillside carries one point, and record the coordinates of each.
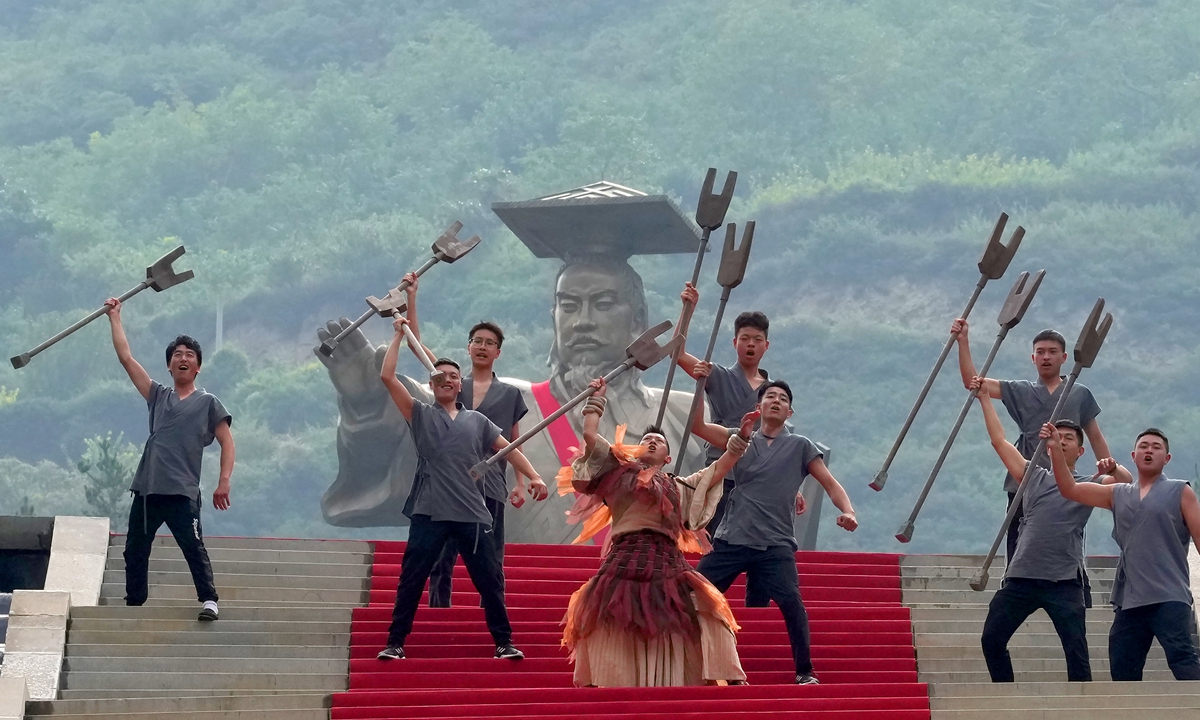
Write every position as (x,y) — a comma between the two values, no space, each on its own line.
(307,152)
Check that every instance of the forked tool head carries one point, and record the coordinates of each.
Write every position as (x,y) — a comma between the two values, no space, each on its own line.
(997,255)
(1091,337)
(905,533)
(1019,298)
(711,209)
(395,301)
(161,275)
(449,248)
(733,260)
(645,350)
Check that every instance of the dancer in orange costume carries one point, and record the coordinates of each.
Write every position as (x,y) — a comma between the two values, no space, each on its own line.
(647,618)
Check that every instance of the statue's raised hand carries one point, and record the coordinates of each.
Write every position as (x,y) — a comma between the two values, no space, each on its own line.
(354,369)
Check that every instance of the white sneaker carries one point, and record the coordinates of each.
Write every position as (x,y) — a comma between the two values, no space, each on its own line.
(208,613)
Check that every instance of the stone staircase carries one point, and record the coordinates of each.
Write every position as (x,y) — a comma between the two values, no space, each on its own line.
(280,648)
(947,620)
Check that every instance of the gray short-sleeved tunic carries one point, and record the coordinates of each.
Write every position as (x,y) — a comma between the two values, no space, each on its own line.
(1153,567)
(179,432)
(1051,542)
(762,504)
(729,398)
(504,406)
(447,449)
(1030,405)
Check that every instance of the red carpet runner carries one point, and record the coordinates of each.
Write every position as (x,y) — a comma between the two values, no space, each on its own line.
(862,648)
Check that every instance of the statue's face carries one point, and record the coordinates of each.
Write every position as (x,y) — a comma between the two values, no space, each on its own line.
(593,323)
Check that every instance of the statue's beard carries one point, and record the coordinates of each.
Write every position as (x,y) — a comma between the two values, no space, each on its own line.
(575,378)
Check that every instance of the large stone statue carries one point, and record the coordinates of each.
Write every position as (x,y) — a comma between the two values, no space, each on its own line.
(599,307)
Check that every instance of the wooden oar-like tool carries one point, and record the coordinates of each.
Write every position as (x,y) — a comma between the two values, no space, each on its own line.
(710,215)
(1018,301)
(159,277)
(643,354)
(729,275)
(1091,338)
(448,248)
(993,264)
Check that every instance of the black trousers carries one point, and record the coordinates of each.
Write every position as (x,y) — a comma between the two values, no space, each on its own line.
(182,516)
(426,539)
(440,582)
(1133,630)
(755,595)
(772,572)
(1019,598)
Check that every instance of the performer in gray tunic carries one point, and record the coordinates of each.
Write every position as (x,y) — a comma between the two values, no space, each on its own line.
(756,535)
(1044,572)
(1153,518)
(1030,404)
(166,487)
(445,502)
(731,391)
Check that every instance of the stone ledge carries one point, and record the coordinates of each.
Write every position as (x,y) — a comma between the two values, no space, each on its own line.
(13,696)
(36,641)
(78,553)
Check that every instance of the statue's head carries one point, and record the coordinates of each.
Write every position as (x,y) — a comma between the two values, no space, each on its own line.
(599,308)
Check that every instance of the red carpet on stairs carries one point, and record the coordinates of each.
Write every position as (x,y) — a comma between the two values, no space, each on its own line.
(862,648)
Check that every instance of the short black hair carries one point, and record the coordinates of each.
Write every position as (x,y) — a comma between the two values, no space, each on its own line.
(762,390)
(491,327)
(1155,432)
(1049,334)
(190,343)
(1071,425)
(447,361)
(754,319)
(656,430)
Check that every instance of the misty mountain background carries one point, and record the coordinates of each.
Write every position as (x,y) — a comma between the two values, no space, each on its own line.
(308,152)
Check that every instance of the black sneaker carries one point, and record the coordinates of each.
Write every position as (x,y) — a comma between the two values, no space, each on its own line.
(208,612)
(807,680)
(391,652)
(508,652)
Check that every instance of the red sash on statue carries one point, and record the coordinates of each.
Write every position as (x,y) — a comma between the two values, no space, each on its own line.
(562,435)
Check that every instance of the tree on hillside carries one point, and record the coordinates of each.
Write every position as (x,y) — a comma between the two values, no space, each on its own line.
(109,467)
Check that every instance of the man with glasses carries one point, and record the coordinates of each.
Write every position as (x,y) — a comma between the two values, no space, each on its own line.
(504,405)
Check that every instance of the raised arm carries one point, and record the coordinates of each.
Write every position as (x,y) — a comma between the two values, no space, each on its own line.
(735,447)
(592,412)
(411,314)
(1013,461)
(966,366)
(837,494)
(1088,493)
(711,433)
(1096,438)
(225,439)
(1111,473)
(137,373)
(689,296)
(387,373)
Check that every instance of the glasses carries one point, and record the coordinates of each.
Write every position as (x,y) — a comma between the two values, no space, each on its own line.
(483,342)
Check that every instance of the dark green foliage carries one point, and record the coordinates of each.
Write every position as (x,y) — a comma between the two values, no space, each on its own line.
(307,152)
(109,467)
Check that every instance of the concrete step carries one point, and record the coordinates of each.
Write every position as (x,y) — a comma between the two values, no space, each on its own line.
(187,681)
(1098,661)
(968,597)
(182,604)
(1038,624)
(994,584)
(1091,561)
(223,625)
(1067,702)
(79,650)
(1021,676)
(170,714)
(213,637)
(965,640)
(1017,652)
(207,665)
(179,705)
(966,572)
(296,594)
(264,580)
(117,542)
(252,567)
(1100,686)
(172,553)
(126,694)
(1157,713)
(977,614)
(229,611)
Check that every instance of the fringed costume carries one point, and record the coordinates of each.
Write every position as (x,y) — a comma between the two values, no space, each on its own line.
(647,618)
